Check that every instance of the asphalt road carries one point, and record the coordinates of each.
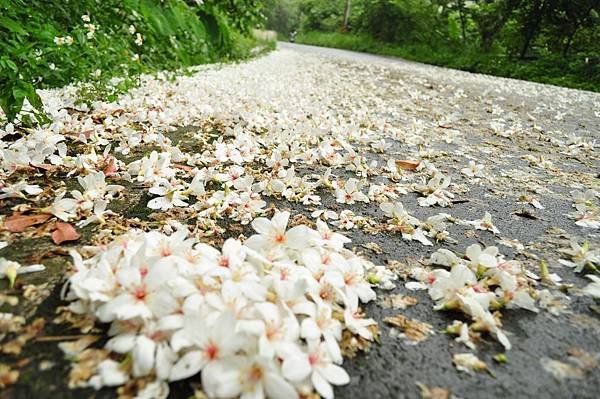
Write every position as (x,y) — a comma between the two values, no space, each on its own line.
(393,369)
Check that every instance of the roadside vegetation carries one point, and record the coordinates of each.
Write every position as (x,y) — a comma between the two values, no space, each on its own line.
(547,41)
(51,43)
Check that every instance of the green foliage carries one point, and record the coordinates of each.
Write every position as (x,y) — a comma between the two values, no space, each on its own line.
(321,15)
(50,43)
(282,16)
(401,21)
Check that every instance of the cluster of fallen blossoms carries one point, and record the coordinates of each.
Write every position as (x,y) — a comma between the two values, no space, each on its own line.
(259,318)
(479,284)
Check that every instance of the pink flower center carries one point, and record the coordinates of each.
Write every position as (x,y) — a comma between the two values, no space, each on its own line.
(349,279)
(140,293)
(256,374)
(283,275)
(325,295)
(212,351)
(279,238)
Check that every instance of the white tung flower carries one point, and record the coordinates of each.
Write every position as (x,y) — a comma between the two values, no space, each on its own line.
(485,223)
(169,197)
(318,366)
(272,233)
(350,193)
(581,256)
(473,170)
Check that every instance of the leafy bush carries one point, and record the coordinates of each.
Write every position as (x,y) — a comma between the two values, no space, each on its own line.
(50,43)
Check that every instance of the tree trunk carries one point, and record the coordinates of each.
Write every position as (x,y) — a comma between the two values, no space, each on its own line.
(569,42)
(461,14)
(346,15)
(532,25)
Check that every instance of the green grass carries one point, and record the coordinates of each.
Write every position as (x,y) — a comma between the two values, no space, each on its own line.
(574,73)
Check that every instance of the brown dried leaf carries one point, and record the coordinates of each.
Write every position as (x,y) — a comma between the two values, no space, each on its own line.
(85,324)
(17,223)
(407,164)
(64,232)
(583,359)
(352,344)
(44,166)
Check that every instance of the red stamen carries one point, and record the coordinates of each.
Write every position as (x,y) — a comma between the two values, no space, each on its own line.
(279,238)
(140,293)
(212,351)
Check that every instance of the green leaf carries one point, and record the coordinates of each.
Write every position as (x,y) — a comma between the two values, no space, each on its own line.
(12,25)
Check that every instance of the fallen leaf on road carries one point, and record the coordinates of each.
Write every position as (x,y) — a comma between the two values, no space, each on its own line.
(18,223)
(407,164)
(64,232)
(183,167)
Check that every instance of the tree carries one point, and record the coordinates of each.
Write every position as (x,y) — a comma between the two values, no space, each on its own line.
(531,23)
(491,17)
(346,15)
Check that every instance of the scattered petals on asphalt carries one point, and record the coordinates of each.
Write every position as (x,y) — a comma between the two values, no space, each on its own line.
(205,212)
